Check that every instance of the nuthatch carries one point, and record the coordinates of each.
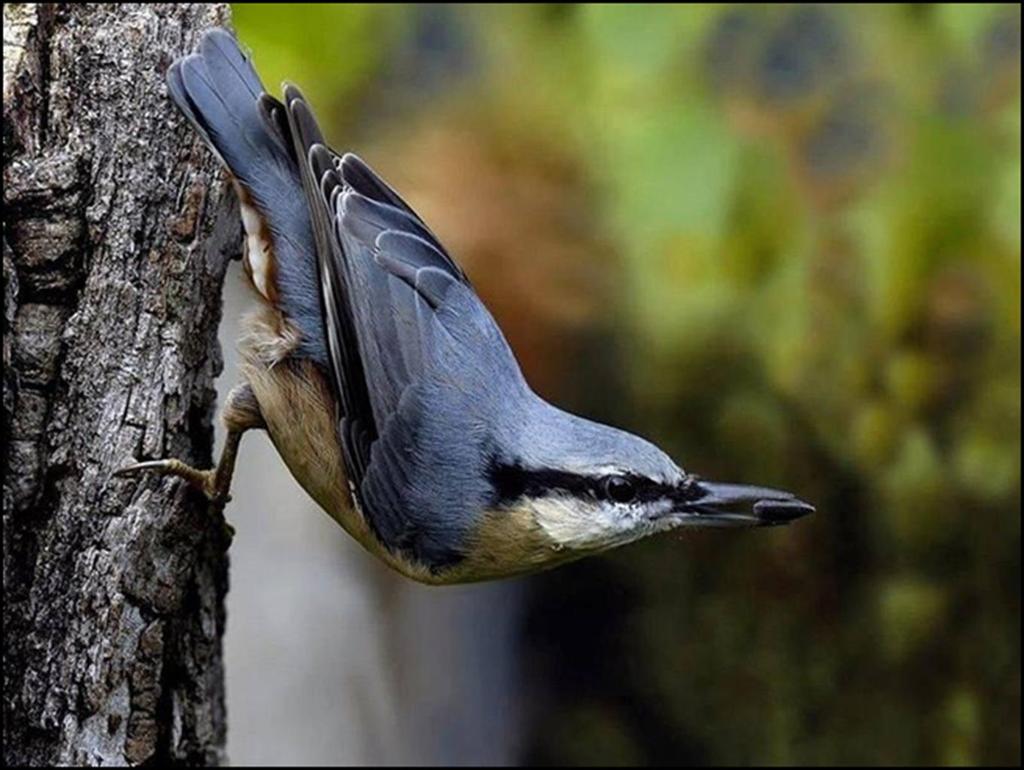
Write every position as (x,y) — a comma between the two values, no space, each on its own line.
(386,385)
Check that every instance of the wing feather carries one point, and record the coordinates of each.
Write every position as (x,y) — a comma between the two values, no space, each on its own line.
(410,347)
(357,428)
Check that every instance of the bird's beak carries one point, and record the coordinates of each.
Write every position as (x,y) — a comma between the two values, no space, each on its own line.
(712,504)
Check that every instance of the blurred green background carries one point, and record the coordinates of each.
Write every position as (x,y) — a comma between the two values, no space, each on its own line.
(784,243)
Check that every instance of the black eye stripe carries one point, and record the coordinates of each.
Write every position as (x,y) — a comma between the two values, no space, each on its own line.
(512,482)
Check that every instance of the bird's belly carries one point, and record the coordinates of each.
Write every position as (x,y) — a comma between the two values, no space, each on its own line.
(299,414)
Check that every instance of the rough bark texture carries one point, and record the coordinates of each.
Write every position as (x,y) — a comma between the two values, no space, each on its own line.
(115,242)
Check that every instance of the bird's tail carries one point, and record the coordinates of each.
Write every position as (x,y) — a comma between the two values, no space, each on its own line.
(223,98)
(219,92)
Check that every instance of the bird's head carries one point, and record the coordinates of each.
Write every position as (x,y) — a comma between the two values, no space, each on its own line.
(594,487)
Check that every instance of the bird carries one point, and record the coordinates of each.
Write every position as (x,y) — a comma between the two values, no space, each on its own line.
(387,387)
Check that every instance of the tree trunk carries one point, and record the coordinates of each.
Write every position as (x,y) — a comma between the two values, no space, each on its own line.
(116,236)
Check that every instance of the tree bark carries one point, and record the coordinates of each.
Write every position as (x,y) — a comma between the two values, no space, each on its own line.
(116,236)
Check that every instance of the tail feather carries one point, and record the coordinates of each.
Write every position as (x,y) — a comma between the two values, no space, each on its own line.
(179,95)
(224,57)
(221,95)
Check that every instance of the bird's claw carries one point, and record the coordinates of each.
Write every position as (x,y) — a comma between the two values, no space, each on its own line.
(205,481)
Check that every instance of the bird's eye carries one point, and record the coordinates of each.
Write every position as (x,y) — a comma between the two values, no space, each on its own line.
(619,489)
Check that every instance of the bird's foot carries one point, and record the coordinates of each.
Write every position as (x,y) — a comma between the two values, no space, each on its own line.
(210,483)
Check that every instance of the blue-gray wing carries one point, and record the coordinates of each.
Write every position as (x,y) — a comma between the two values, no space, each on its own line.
(418,362)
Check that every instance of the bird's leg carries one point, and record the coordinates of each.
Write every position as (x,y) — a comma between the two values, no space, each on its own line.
(214,483)
(241,413)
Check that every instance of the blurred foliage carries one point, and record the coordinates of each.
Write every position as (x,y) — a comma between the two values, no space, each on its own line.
(784,242)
